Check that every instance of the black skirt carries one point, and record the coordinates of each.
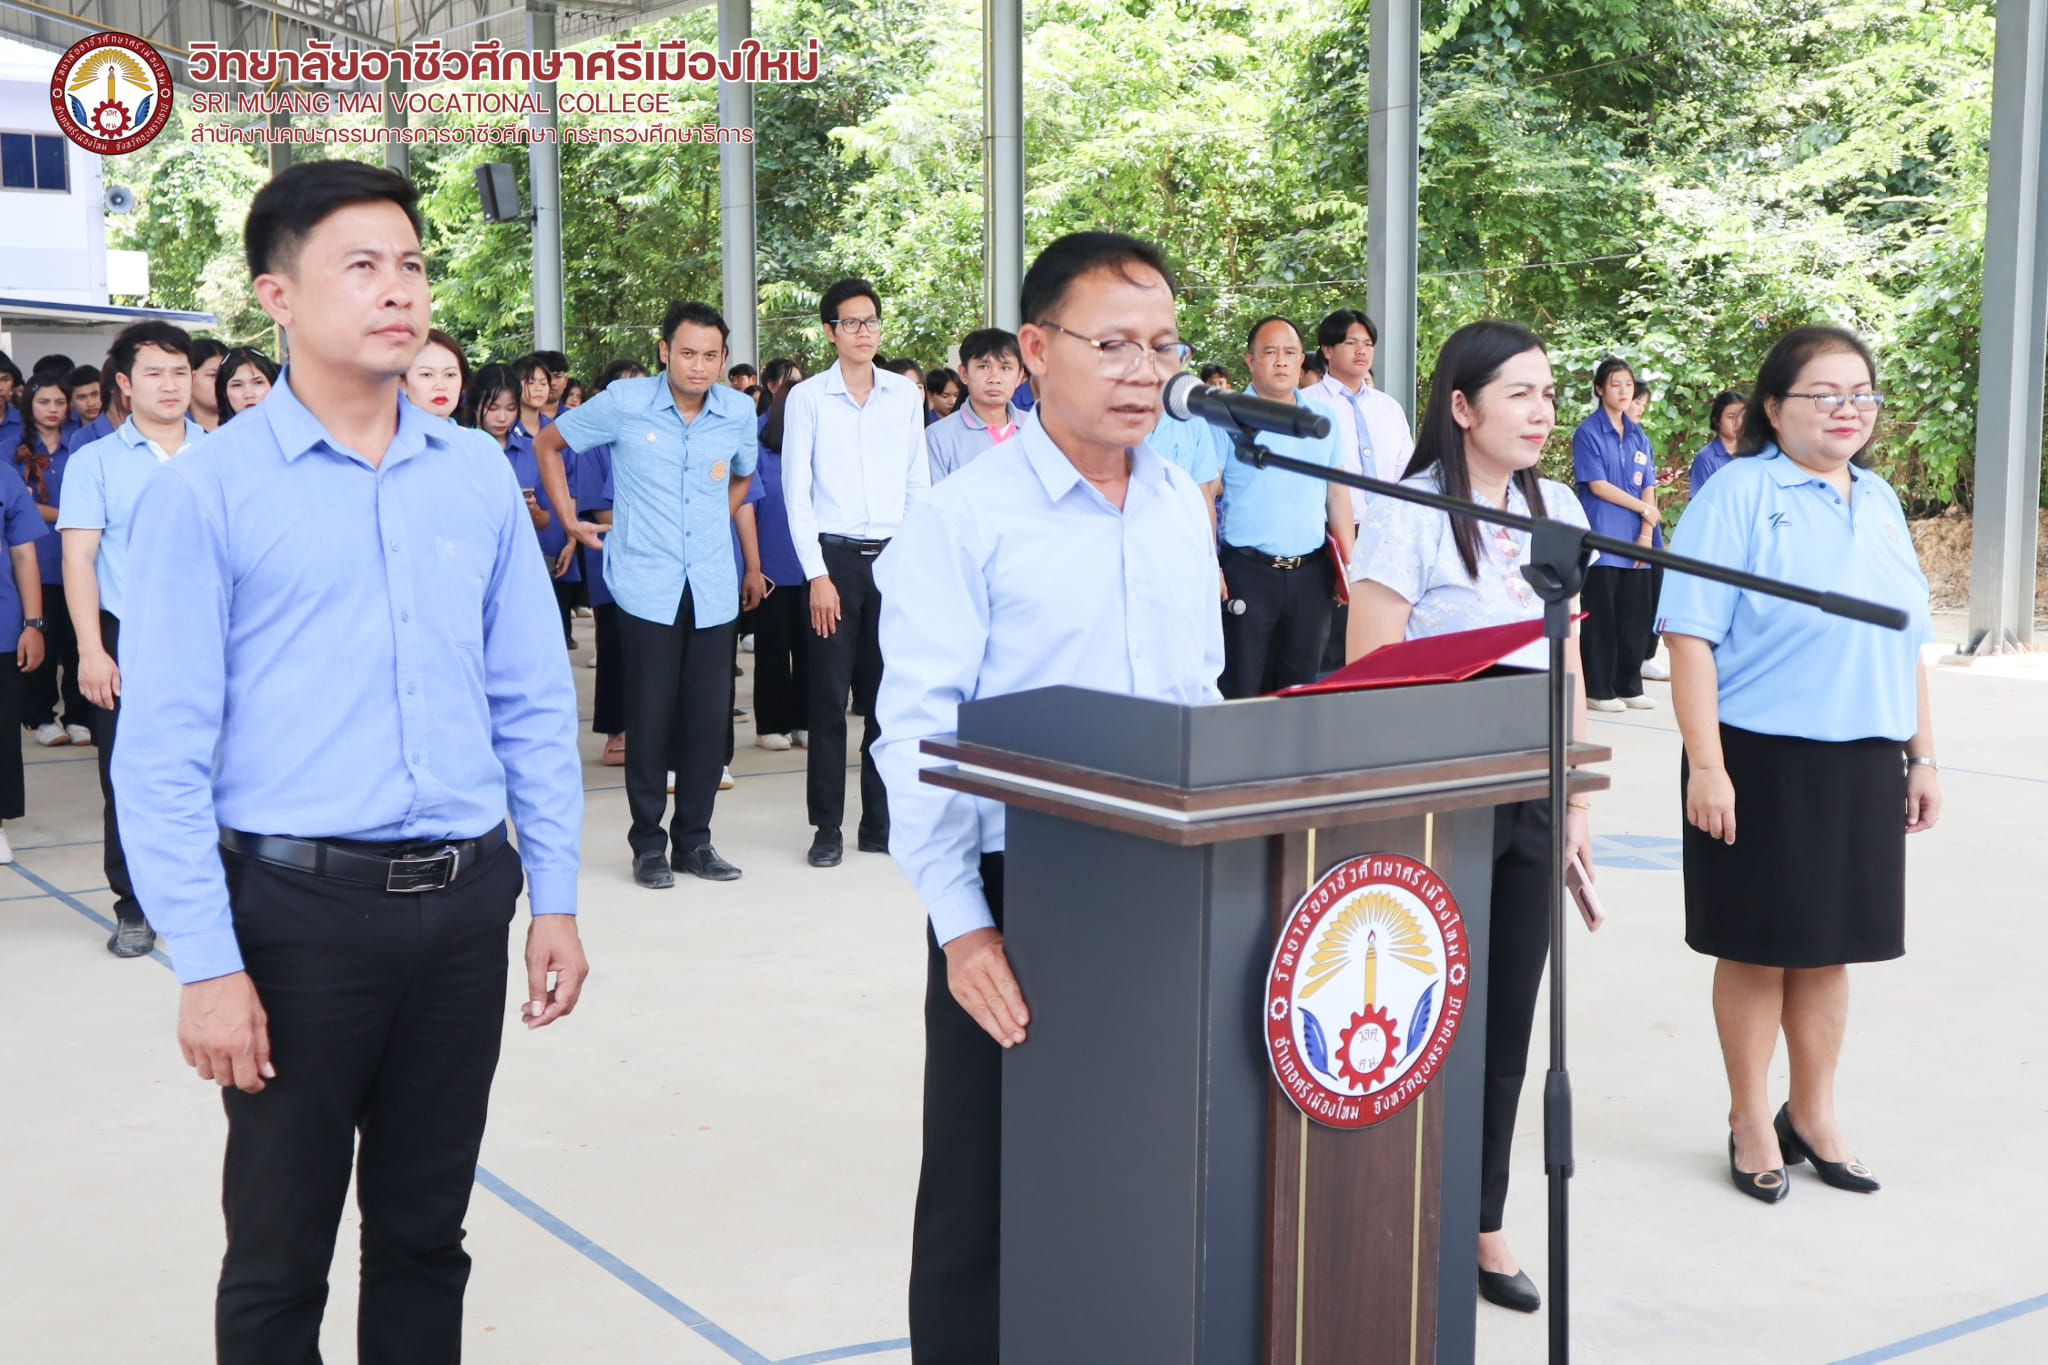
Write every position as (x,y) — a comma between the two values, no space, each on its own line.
(1816,876)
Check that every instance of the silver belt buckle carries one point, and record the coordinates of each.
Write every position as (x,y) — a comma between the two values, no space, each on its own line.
(433,872)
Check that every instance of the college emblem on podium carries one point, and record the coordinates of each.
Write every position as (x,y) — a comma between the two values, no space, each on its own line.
(111,93)
(1366,990)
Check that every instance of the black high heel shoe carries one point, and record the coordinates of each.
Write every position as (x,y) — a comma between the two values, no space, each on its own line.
(1514,1291)
(1843,1175)
(1769,1186)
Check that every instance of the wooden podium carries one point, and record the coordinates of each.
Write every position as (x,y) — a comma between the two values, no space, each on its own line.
(1163,1200)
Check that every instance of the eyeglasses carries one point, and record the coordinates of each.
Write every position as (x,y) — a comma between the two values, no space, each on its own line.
(1835,402)
(857,326)
(1119,358)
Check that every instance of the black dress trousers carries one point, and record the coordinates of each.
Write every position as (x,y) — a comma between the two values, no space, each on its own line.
(608,689)
(105,721)
(57,679)
(847,662)
(678,709)
(1613,641)
(385,1014)
(782,666)
(13,788)
(1520,907)
(1280,636)
(956,1237)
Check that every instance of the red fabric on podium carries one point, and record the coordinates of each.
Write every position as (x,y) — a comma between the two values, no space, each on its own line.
(1433,659)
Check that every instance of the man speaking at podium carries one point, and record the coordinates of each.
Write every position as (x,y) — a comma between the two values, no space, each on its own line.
(1070,555)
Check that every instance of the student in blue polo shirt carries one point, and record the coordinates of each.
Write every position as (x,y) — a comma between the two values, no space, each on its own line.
(344,680)
(150,363)
(534,371)
(494,408)
(1809,746)
(1616,474)
(682,443)
(991,370)
(1279,578)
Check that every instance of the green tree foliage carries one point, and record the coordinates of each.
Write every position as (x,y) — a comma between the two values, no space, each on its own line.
(1675,181)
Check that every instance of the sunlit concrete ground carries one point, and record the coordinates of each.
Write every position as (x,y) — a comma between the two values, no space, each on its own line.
(713,1160)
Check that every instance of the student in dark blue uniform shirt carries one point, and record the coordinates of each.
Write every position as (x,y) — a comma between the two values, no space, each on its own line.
(41,459)
(1616,475)
(494,406)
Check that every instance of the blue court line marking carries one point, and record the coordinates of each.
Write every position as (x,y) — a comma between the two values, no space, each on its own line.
(50,889)
(668,1303)
(1939,1335)
(45,895)
(1966,772)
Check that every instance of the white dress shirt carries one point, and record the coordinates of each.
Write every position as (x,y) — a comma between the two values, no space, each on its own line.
(850,469)
(1014,574)
(1385,435)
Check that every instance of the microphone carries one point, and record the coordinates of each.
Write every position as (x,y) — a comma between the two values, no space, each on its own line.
(1189,399)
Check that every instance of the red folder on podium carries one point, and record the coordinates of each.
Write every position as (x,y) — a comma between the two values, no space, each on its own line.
(1434,659)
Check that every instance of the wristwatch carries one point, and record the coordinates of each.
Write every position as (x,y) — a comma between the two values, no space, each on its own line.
(32,623)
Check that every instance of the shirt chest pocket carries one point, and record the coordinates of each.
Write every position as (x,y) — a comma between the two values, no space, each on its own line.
(452,599)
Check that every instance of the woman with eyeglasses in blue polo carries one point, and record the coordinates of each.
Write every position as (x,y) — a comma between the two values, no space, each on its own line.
(1809,746)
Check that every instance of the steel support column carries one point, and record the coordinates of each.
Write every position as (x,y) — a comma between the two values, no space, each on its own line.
(1002,162)
(544,190)
(2014,346)
(1392,135)
(738,261)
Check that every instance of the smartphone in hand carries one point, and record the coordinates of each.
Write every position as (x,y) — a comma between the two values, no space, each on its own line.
(1581,887)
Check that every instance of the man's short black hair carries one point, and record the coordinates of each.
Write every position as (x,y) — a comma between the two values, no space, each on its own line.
(1313,363)
(1334,328)
(1068,258)
(698,314)
(1251,336)
(852,287)
(82,374)
(556,362)
(742,371)
(136,335)
(991,343)
(305,194)
(55,361)
(1212,372)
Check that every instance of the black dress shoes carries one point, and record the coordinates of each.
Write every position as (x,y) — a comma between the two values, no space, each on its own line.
(827,848)
(1769,1186)
(1514,1291)
(704,862)
(869,842)
(651,871)
(131,938)
(1843,1175)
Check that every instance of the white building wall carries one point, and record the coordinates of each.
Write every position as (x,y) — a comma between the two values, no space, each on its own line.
(52,246)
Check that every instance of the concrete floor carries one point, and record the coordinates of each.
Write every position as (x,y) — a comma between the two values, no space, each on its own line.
(713,1160)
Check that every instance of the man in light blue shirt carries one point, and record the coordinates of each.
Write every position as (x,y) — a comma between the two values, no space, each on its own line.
(684,448)
(1070,554)
(343,674)
(151,368)
(1279,580)
(990,371)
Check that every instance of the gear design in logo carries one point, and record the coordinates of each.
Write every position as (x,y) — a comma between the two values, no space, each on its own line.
(110,118)
(1374,1032)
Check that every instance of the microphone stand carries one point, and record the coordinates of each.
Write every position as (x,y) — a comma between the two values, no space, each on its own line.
(1557,570)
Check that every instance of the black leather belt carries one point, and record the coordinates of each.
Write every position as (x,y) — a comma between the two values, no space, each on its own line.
(402,866)
(1272,561)
(866,549)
